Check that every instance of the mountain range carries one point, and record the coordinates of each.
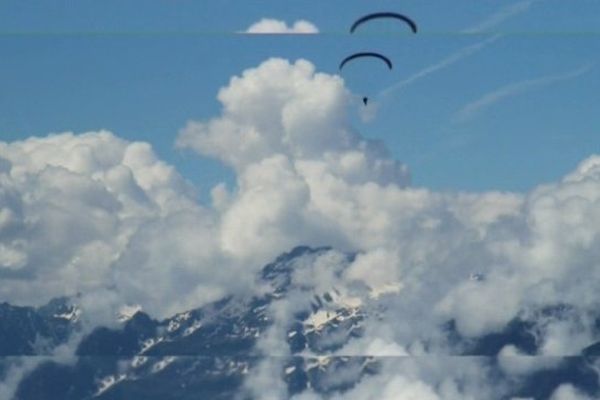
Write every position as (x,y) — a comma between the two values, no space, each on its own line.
(212,351)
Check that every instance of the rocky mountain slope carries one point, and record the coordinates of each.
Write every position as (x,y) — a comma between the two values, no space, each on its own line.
(215,351)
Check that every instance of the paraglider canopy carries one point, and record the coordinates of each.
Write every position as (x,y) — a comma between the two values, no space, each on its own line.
(378,56)
(378,15)
(366,54)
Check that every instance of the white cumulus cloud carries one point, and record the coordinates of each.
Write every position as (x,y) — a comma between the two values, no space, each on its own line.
(275,26)
(100,215)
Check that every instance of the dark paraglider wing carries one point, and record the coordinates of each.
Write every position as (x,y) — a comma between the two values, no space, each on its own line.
(366,54)
(369,17)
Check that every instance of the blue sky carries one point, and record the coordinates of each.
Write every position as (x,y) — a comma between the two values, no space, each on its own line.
(488,96)
(518,111)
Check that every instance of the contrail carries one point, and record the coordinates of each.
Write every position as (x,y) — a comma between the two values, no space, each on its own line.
(488,23)
(485,101)
(451,59)
(500,16)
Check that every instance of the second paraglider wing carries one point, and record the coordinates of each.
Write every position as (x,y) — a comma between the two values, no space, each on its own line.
(366,54)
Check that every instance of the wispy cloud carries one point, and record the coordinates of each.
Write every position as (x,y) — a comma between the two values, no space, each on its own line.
(472,109)
(486,24)
(446,62)
(500,16)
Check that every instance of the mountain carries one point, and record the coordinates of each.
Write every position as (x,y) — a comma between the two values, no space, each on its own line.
(212,352)
(35,331)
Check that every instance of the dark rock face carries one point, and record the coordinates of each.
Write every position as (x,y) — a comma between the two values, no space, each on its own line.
(34,331)
(124,342)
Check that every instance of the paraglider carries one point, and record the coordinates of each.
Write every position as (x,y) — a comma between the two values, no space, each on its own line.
(378,15)
(369,17)
(366,54)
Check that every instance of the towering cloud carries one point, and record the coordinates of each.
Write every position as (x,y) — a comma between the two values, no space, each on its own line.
(99,215)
